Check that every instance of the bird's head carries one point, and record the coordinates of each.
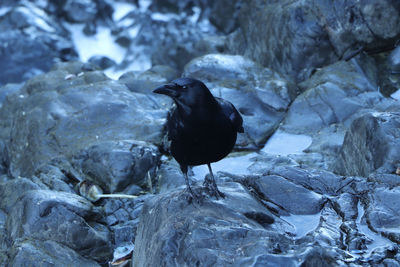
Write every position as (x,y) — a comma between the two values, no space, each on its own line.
(186,92)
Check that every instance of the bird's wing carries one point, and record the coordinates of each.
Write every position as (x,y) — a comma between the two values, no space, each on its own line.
(230,111)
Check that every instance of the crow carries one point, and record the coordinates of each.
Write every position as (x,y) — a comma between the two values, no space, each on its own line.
(201,128)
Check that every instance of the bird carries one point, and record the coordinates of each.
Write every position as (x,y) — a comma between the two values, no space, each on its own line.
(201,128)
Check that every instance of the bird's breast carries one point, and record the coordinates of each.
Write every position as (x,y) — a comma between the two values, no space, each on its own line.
(201,142)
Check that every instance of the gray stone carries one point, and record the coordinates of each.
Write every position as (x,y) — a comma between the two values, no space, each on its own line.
(12,190)
(68,110)
(115,165)
(216,233)
(224,15)
(80,11)
(382,212)
(64,218)
(290,197)
(284,35)
(46,253)
(394,60)
(370,145)
(26,34)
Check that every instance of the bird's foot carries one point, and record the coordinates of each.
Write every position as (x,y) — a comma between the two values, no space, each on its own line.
(212,189)
(191,196)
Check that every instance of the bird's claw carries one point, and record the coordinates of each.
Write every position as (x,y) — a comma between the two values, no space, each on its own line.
(212,189)
(191,196)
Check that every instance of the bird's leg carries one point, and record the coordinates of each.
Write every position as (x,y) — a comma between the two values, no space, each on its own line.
(188,188)
(211,185)
(188,185)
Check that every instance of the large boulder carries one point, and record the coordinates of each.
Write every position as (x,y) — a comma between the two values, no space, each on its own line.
(27,34)
(65,112)
(65,218)
(371,145)
(296,37)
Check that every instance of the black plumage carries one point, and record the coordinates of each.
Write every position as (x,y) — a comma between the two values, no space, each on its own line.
(202,128)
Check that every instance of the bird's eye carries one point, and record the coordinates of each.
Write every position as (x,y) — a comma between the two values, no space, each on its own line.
(184,87)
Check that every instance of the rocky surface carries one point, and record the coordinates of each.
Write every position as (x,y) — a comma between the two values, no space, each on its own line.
(305,35)
(313,181)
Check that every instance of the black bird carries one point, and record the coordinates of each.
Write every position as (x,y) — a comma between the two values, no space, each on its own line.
(202,128)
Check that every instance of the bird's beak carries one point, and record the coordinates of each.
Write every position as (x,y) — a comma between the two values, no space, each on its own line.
(167,89)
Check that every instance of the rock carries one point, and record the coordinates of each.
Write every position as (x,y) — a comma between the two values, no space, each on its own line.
(28,33)
(211,234)
(319,181)
(394,60)
(115,165)
(381,212)
(12,190)
(102,61)
(3,240)
(145,82)
(169,176)
(46,253)
(260,95)
(224,15)
(370,145)
(178,7)
(64,218)
(68,110)
(8,89)
(283,35)
(289,197)
(80,11)
(333,97)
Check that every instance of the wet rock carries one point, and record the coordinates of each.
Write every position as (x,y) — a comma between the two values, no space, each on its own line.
(46,253)
(86,11)
(394,60)
(382,215)
(213,233)
(12,190)
(28,33)
(177,6)
(333,97)
(165,39)
(289,197)
(122,216)
(3,239)
(64,218)
(68,110)
(169,176)
(80,11)
(102,61)
(115,165)
(307,25)
(260,95)
(8,89)
(319,181)
(145,82)
(224,15)
(370,145)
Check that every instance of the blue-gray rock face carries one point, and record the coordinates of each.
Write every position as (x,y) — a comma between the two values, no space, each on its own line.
(295,37)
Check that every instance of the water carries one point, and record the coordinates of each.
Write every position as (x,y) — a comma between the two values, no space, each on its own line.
(396,95)
(378,241)
(237,165)
(282,143)
(303,224)
(102,43)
